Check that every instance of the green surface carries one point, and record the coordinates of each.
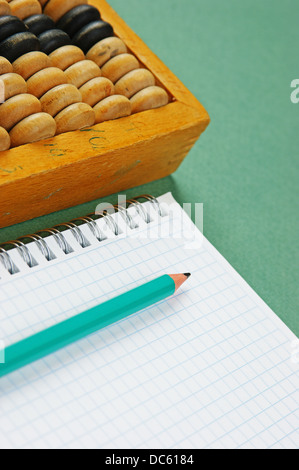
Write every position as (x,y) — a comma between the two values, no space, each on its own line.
(58,336)
(238,58)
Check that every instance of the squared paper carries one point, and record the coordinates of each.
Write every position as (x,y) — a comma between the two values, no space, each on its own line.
(211,367)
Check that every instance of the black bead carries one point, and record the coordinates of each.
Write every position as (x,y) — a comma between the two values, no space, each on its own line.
(91,34)
(77,18)
(18,45)
(52,40)
(10,25)
(38,24)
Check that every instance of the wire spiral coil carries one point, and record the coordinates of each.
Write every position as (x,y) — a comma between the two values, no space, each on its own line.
(75,228)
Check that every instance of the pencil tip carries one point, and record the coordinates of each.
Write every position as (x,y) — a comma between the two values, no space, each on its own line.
(179,279)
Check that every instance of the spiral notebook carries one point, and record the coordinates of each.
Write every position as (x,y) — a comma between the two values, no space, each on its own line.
(212,367)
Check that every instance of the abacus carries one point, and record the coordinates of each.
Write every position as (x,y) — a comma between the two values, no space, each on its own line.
(87,109)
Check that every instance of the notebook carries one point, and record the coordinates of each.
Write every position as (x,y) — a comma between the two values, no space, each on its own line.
(212,367)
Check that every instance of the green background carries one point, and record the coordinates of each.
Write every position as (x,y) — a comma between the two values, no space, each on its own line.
(238,58)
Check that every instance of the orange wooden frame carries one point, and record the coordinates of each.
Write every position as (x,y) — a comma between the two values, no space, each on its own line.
(70,169)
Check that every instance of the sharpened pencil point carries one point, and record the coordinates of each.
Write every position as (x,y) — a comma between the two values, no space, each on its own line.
(179,279)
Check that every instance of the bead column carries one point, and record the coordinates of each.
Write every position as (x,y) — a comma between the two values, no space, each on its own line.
(21,119)
(96,39)
(82,73)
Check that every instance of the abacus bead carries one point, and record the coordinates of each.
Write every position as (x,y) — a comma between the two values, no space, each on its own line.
(113,107)
(31,63)
(104,50)
(24,8)
(38,24)
(66,56)
(59,98)
(52,40)
(18,45)
(5,66)
(17,108)
(45,80)
(4,138)
(134,81)
(96,90)
(75,19)
(10,25)
(4,8)
(74,117)
(14,85)
(149,98)
(119,66)
(34,128)
(82,72)
(92,33)
(57,8)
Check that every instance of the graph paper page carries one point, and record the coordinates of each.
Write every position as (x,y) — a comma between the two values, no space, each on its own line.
(212,367)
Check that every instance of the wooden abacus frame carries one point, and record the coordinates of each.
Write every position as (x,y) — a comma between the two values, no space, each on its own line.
(73,168)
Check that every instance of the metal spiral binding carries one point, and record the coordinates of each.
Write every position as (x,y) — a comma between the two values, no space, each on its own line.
(89,220)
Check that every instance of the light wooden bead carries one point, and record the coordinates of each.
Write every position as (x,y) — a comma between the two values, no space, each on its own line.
(57,8)
(25,8)
(66,56)
(96,90)
(113,107)
(13,85)
(149,98)
(5,66)
(45,80)
(106,49)
(4,8)
(4,140)
(17,108)
(119,66)
(59,98)
(74,117)
(82,72)
(134,81)
(31,63)
(34,128)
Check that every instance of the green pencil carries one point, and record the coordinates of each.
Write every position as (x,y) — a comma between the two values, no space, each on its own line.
(52,339)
